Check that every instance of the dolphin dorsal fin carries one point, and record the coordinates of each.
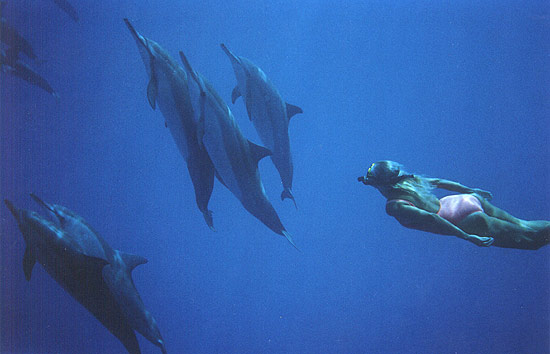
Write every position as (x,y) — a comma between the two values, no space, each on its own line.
(292,110)
(28,262)
(258,152)
(131,260)
(235,94)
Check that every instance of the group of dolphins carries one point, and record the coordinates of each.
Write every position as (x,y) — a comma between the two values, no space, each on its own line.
(210,141)
(16,44)
(208,136)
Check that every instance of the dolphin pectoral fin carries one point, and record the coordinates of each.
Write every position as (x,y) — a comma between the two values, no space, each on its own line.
(152,91)
(235,94)
(258,152)
(287,193)
(289,238)
(292,110)
(131,260)
(28,262)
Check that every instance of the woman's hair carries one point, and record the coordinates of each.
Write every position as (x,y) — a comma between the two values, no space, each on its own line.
(387,175)
(386,172)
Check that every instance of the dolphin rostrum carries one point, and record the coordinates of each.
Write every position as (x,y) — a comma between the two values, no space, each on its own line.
(68,8)
(170,88)
(234,157)
(96,275)
(269,114)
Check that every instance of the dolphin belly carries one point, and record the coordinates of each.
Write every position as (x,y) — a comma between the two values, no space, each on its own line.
(270,121)
(174,118)
(223,150)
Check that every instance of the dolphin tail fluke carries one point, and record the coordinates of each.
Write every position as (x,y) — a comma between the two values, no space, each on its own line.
(289,238)
(209,219)
(287,193)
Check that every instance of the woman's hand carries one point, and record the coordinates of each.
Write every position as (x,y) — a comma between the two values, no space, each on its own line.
(485,194)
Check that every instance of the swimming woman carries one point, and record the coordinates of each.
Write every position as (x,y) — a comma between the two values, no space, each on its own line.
(467,215)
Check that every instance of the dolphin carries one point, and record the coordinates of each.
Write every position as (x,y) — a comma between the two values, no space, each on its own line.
(9,59)
(96,275)
(14,41)
(235,158)
(11,65)
(269,114)
(170,88)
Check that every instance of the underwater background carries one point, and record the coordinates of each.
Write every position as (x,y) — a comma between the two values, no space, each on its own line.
(457,90)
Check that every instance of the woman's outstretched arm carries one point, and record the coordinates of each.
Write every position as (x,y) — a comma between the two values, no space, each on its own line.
(457,187)
(415,218)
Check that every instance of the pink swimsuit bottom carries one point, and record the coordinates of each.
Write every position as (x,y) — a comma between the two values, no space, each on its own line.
(454,208)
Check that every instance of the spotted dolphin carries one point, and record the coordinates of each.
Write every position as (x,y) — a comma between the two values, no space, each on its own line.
(269,114)
(234,157)
(170,88)
(96,275)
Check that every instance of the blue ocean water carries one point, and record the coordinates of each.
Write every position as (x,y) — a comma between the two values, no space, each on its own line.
(457,90)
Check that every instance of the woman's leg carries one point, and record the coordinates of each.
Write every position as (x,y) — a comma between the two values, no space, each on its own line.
(506,234)
(498,213)
(491,210)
